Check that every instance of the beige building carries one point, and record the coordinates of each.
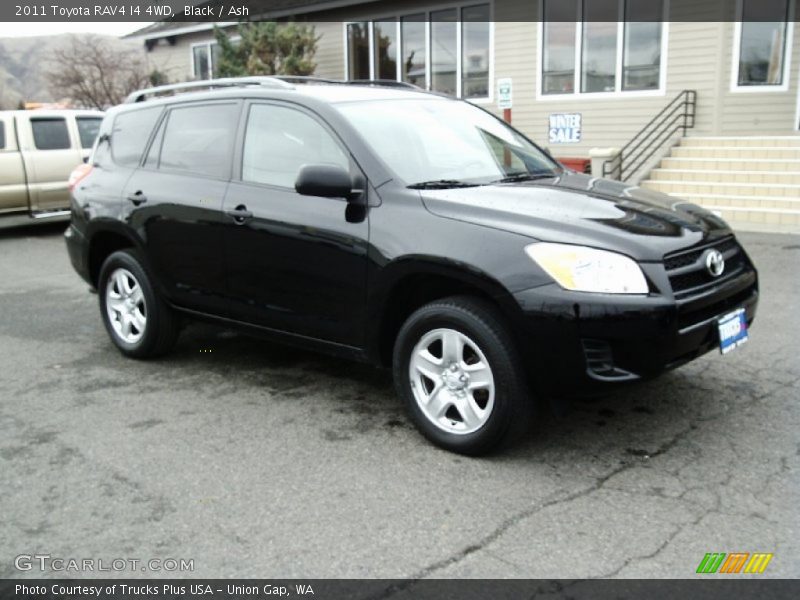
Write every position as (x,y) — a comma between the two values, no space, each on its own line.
(584,74)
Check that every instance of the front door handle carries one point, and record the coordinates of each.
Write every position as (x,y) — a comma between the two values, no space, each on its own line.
(240,214)
(138,198)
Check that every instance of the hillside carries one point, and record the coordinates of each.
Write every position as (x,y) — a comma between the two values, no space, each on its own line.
(24,63)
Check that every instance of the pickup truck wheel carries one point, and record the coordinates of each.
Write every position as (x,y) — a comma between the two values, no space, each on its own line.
(457,369)
(139,323)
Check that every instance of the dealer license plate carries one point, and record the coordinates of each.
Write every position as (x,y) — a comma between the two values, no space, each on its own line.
(732,330)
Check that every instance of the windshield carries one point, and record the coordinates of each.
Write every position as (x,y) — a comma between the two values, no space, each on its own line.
(435,141)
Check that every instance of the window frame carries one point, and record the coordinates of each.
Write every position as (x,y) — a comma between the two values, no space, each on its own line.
(237,170)
(618,92)
(397,16)
(37,119)
(163,121)
(737,50)
(209,55)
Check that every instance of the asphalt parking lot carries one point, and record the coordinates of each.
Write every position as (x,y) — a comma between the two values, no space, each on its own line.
(256,460)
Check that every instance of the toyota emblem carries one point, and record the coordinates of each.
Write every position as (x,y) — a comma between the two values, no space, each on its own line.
(715,263)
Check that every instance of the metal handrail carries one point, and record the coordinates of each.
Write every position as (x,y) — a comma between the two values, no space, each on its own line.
(678,115)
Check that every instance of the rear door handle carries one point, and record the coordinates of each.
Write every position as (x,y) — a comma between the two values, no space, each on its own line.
(137,198)
(240,214)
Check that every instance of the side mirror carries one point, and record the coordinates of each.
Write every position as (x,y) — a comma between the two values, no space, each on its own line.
(328,181)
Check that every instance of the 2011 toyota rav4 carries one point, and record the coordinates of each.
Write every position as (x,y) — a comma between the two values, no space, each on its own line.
(405,229)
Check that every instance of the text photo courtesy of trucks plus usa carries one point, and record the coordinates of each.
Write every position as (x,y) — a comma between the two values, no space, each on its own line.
(417,299)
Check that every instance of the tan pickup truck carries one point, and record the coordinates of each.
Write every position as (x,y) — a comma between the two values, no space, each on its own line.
(38,151)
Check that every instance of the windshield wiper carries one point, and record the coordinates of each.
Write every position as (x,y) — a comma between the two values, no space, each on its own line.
(525,176)
(441,184)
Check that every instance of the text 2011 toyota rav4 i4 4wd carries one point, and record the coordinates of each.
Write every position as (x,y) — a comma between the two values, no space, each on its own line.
(401,228)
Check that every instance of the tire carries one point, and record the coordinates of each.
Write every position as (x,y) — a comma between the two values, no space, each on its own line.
(138,321)
(465,409)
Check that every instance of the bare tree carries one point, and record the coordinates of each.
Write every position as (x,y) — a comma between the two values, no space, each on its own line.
(95,71)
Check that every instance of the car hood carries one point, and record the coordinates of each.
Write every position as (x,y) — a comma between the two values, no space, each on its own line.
(578,209)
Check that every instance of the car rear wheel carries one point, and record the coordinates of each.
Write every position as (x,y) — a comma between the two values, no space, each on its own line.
(139,323)
(458,371)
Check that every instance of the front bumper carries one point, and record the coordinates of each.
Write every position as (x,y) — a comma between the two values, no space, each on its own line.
(580,344)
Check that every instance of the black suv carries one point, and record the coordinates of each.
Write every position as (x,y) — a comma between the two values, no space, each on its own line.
(402,228)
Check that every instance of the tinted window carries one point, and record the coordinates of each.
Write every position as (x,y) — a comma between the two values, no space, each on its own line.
(199,139)
(130,134)
(2,135)
(763,42)
(281,140)
(87,130)
(50,134)
(357,51)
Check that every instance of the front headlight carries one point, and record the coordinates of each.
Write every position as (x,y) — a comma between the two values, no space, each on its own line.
(583,269)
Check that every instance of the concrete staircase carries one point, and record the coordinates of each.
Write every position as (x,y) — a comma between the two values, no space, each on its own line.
(751,182)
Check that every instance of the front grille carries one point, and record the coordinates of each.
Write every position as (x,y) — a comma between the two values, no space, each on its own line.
(687,270)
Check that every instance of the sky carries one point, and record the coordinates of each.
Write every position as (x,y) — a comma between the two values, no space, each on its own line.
(28,29)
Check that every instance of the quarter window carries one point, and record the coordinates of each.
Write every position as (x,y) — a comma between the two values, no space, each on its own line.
(619,43)
(444,50)
(50,134)
(762,42)
(199,139)
(280,140)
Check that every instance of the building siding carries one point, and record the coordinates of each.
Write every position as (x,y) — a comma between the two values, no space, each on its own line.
(699,57)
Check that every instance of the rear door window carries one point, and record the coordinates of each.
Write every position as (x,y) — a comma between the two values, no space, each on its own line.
(130,134)
(87,130)
(199,139)
(2,135)
(50,133)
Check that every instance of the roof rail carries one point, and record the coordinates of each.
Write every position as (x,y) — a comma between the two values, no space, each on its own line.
(144,94)
(383,83)
(325,80)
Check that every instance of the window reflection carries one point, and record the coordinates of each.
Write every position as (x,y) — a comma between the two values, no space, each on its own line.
(385,42)
(559,47)
(443,51)
(763,42)
(475,51)
(413,34)
(599,60)
(358,51)
(641,60)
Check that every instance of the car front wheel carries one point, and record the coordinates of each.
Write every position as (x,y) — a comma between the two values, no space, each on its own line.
(457,368)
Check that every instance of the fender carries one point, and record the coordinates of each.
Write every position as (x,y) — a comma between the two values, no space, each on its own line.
(390,278)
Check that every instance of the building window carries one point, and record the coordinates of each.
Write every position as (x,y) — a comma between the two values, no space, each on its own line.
(386,49)
(358,51)
(444,50)
(205,60)
(475,47)
(762,43)
(412,41)
(601,46)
